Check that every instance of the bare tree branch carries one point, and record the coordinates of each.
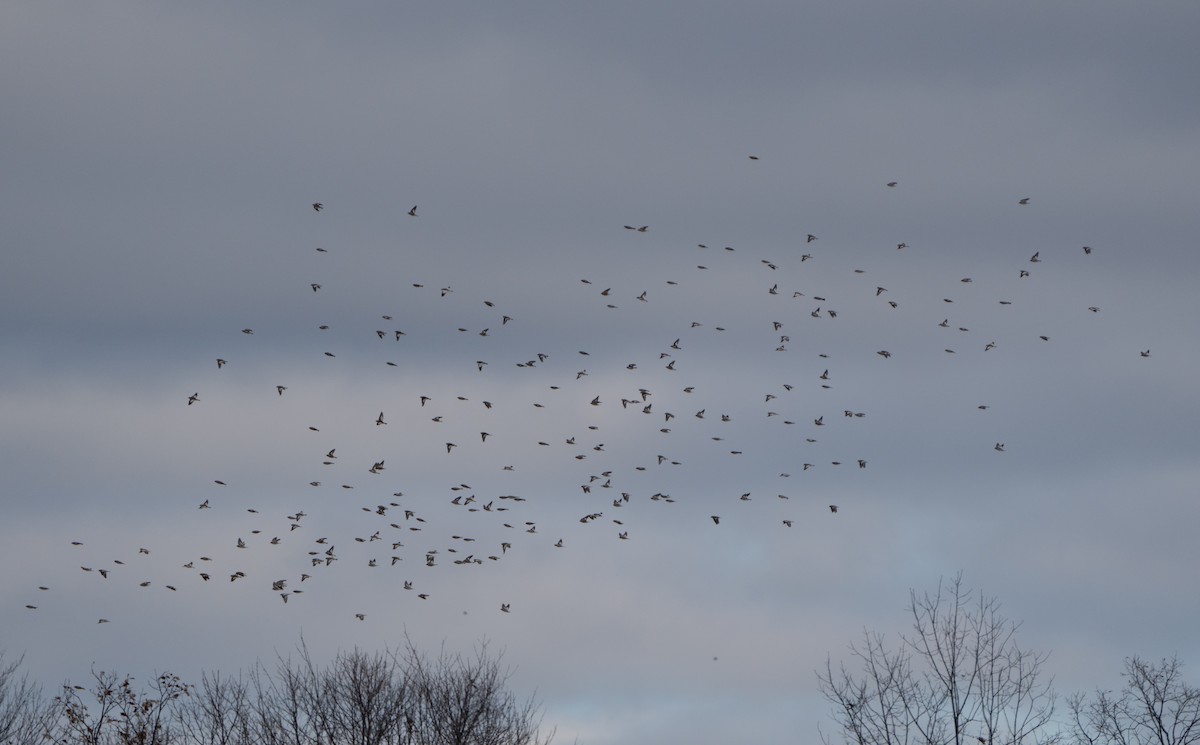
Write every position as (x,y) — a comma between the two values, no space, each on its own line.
(958,677)
(1155,707)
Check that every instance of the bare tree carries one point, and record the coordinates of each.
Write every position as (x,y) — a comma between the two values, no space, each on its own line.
(1155,706)
(362,700)
(960,677)
(460,700)
(122,715)
(218,712)
(25,717)
(387,698)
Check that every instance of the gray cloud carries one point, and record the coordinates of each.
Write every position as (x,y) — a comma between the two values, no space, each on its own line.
(159,171)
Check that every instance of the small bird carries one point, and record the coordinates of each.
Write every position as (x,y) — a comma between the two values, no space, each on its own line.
(1146,353)
(413,212)
(379,421)
(315,286)
(281,389)
(1023,201)
(999,448)
(892,183)
(833,508)
(318,206)
(220,363)
(716,519)
(193,398)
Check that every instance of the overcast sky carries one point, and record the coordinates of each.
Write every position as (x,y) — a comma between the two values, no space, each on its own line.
(160,163)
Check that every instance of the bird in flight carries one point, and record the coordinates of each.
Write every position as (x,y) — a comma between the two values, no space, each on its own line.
(413,212)
(317,206)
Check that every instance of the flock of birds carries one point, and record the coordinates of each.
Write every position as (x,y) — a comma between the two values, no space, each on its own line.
(467,525)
